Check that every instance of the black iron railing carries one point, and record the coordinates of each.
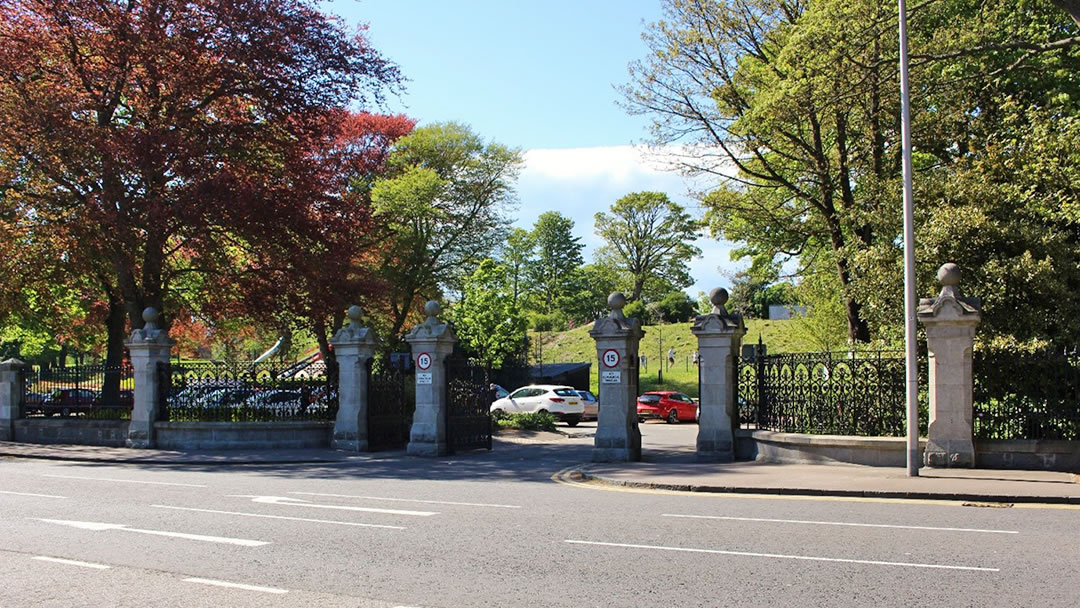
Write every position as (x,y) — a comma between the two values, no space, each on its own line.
(468,398)
(1022,395)
(850,393)
(247,392)
(100,392)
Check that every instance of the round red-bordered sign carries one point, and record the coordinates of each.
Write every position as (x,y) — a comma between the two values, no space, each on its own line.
(423,361)
(611,358)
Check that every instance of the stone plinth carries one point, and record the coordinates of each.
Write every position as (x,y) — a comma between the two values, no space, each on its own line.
(149,348)
(950,321)
(432,342)
(12,391)
(719,336)
(354,346)
(618,438)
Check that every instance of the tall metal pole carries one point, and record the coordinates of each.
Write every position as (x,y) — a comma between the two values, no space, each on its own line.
(909,260)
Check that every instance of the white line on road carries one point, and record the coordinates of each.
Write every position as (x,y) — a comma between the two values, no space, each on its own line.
(155,483)
(841,523)
(99,526)
(432,502)
(297,502)
(318,521)
(71,562)
(29,494)
(210,581)
(781,556)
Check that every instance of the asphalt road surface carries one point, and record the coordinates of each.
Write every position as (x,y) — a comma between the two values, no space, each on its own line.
(495,529)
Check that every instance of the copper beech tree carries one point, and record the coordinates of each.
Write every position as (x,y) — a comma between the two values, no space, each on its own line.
(168,139)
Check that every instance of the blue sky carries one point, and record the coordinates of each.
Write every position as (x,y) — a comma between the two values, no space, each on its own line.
(540,76)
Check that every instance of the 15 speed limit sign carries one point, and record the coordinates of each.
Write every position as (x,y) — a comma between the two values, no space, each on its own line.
(423,361)
(611,358)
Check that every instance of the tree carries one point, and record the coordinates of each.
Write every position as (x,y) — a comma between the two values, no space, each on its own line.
(157,135)
(793,108)
(517,256)
(646,235)
(445,205)
(487,321)
(558,257)
(676,307)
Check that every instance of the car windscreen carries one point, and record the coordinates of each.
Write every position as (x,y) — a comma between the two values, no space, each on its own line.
(565,392)
(649,399)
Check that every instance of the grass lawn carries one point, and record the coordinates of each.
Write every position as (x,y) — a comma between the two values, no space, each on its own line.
(576,345)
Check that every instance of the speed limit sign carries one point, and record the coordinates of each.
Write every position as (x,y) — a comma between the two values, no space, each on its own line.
(423,361)
(611,358)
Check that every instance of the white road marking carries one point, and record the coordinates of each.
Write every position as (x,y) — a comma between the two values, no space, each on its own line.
(29,494)
(71,562)
(154,483)
(842,523)
(210,581)
(297,502)
(318,521)
(781,556)
(432,502)
(99,526)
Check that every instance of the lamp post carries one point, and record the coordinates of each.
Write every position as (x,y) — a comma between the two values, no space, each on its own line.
(909,258)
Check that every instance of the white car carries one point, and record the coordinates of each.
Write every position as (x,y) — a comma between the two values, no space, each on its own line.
(563,402)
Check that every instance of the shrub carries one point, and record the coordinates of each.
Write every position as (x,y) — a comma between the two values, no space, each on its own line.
(541,421)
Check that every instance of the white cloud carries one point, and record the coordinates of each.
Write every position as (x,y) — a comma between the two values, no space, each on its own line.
(579,182)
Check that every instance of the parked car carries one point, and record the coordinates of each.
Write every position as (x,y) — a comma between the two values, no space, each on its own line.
(563,402)
(666,405)
(592,406)
(68,401)
(32,403)
(500,392)
(125,398)
(280,402)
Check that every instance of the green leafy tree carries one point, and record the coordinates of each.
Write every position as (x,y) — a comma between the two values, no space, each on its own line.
(517,254)
(558,258)
(676,307)
(488,322)
(648,237)
(445,206)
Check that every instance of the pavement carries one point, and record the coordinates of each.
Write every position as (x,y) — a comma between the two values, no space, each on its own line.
(665,469)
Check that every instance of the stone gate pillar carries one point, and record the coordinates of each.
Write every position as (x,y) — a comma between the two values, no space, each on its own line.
(950,320)
(618,438)
(12,391)
(719,336)
(432,342)
(354,346)
(149,348)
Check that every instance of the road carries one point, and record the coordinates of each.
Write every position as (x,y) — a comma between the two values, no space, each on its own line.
(494,529)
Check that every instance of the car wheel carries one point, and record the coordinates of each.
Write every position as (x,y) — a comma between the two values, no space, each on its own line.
(542,411)
(65,412)
(641,421)
(498,413)
(572,422)
(673,416)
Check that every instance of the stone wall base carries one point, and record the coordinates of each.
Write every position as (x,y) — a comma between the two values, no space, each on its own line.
(242,435)
(71,431)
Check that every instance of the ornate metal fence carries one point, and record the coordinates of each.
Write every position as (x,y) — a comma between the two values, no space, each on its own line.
(1027,395)
(469,394)
(856,393)
(246,392)
(390,404)
(100,392)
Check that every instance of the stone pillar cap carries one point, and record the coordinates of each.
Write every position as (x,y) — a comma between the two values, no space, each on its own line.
(354,332)
(616,321)
(951,297)
(150,333)
(432,327)
(719,318)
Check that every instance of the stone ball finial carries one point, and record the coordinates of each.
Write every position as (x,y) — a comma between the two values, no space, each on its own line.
(948,275)
(432,308)
(616,301)
(150,316)
(354,314)
(718,296)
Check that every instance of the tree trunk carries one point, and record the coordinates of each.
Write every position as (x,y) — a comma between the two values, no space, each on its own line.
(115,325)
(1070,6)
(639,284)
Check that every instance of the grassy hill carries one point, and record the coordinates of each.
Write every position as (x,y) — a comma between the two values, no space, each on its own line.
(576,345)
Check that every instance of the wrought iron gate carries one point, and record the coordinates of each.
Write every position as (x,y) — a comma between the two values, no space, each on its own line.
(390,404)
(468,405)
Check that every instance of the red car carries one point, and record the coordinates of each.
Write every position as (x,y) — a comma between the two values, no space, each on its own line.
(666,405)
